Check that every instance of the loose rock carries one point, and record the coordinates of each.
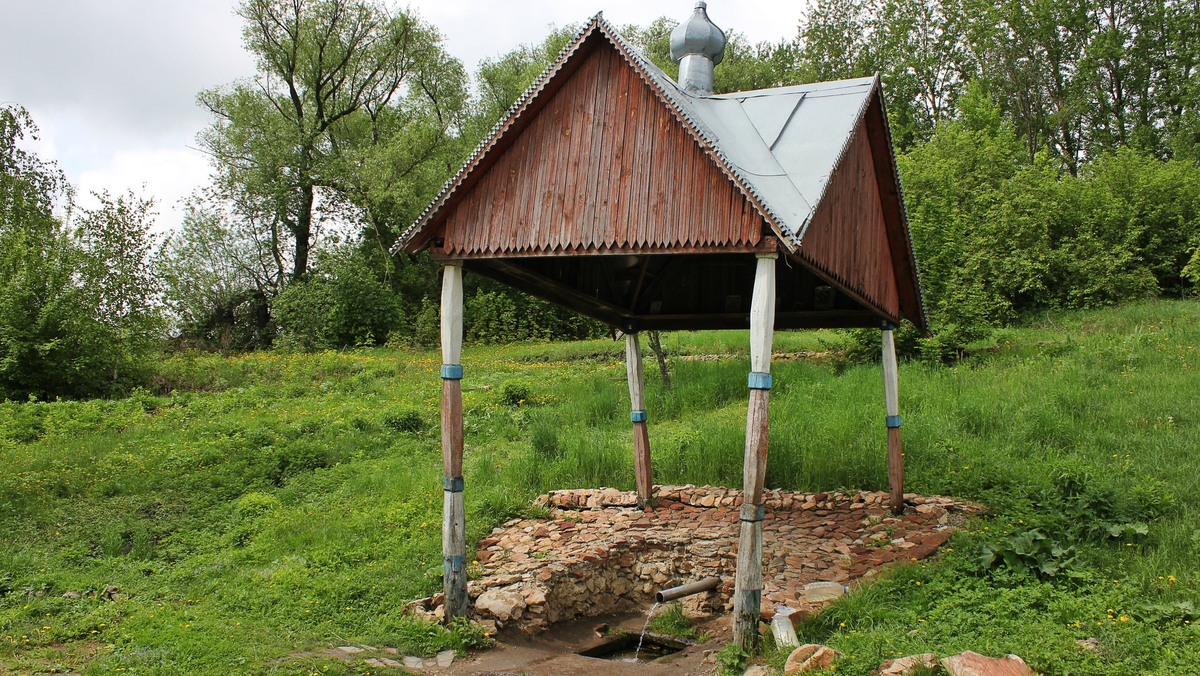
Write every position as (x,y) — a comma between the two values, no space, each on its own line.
(907,665)
(810,658)
(973,664)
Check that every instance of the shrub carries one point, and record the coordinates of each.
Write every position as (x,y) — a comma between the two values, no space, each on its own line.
(255,504)
(514,394)
(427,331)
(305,314)
(497,315)
(403,419)
(340,304)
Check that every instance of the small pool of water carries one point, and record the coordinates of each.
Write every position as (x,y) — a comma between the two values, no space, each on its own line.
(623,647)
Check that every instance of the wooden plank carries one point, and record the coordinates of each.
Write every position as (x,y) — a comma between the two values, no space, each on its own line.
(611,130)
(903,264)
(509,133)
(584,128)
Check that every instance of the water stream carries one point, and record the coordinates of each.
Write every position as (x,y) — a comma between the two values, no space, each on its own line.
(643,636)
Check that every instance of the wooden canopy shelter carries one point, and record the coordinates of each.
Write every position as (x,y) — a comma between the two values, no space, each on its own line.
(614,191)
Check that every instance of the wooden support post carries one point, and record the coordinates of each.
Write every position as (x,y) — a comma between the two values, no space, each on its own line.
(454,527)
(747,602)
(895,453)
(641,437)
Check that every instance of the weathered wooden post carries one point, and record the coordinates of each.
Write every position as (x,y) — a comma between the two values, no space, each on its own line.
(454,530)
(895,454)
(641,437)
(747,602)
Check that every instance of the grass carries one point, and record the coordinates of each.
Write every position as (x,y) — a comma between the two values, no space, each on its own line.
(259,506)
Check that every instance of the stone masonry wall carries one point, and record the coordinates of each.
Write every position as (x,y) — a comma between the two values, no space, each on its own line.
(599,553)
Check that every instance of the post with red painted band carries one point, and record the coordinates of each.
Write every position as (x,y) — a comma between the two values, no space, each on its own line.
(891,398)
(747,600)
(454,527)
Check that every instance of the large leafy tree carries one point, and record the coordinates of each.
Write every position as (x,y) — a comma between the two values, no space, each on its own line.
(338,80)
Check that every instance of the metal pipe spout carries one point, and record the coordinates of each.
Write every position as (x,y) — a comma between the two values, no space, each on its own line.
(686,589)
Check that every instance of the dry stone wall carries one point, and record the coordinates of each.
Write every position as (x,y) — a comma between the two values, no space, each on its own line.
(599,553)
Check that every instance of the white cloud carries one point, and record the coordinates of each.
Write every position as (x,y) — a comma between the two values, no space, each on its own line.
(168,174)
(112,83)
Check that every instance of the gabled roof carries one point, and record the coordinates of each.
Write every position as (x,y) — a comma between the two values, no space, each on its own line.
(780,147)
(783,144)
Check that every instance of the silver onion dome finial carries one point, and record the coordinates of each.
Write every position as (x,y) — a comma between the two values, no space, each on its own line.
(697,45)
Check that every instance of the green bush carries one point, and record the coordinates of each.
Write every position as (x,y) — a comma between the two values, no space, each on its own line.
(403,419)
(514,394)
(497,315)
(997,234)
(77,311)
(255,504)
(427,331)
(341,303)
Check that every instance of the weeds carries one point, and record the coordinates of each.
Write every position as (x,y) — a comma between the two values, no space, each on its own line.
(266,504)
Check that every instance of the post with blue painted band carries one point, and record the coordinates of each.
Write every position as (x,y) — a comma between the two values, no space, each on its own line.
(454,519)
(747,600)
(891,398)
(759,381)
(642,471)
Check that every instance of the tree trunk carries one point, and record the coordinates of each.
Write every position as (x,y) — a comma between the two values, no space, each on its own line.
(303,233)
(656,348)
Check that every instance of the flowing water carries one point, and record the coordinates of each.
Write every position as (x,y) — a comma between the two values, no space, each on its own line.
(643,636)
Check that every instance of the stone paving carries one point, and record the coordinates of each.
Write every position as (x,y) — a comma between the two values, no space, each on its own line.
(599,553)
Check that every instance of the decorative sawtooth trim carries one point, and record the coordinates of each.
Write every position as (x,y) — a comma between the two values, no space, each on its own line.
(497,131)
(700,131)
(452,371)
(841,156)
(637,416)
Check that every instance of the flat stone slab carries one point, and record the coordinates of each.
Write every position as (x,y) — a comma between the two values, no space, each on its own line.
(600,553)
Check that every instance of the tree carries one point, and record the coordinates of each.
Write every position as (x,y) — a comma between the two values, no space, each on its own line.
(279,141)
(78,310)
(218,273)
(117,272)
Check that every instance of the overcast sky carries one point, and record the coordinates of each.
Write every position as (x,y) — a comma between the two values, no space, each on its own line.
(112,83)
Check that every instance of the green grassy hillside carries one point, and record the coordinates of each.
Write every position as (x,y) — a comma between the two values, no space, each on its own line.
(275,503)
